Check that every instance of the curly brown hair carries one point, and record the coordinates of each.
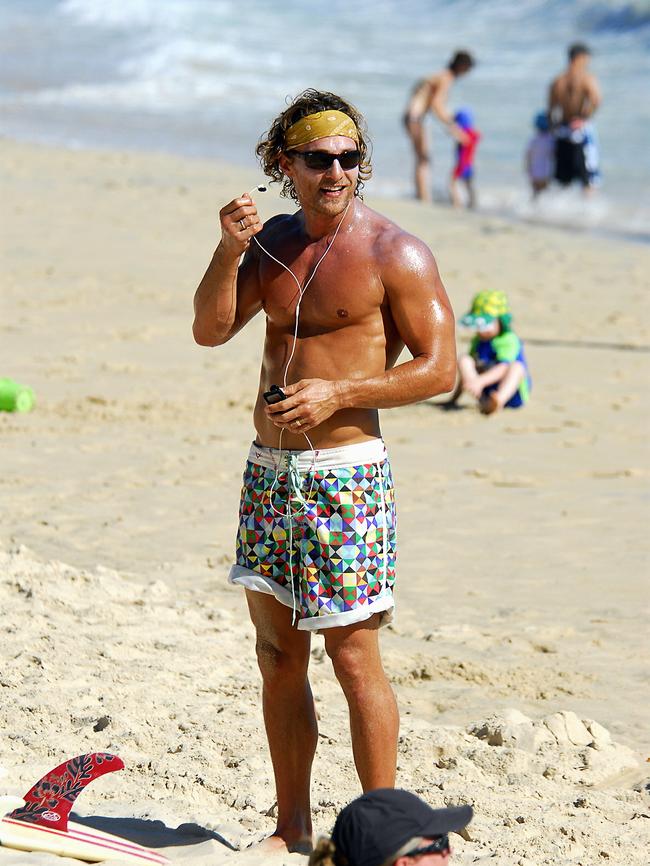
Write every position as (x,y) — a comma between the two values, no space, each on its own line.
(273,143)
(325,854)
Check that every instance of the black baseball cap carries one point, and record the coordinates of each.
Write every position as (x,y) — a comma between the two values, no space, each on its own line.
(372,828)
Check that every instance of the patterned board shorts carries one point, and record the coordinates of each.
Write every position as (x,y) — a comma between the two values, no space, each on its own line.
(317,531)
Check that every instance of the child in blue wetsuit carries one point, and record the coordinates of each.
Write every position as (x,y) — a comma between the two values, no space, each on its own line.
(495,369)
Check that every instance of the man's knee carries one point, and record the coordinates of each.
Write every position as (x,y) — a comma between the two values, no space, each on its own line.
(279,662)
(350,663)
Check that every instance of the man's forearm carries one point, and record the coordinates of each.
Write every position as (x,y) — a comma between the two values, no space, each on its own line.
(215,301)
(411,382)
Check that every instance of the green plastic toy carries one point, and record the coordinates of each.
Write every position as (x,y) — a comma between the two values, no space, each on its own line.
(15,397)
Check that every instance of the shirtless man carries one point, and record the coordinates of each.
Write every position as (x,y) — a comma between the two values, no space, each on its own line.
(573,98)
(316,542)
(430,95)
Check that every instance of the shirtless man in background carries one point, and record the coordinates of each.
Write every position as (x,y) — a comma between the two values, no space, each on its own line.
(430,95)
(343,290)
(573,98)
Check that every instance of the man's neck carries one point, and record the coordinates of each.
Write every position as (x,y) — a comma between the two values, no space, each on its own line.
(318,225)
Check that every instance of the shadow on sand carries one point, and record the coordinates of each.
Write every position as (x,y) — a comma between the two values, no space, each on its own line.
(153,834)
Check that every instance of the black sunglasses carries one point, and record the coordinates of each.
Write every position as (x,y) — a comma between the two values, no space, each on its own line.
(436,847)
(321,160)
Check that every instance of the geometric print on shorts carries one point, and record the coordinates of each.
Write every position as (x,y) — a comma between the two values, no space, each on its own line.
(337,554)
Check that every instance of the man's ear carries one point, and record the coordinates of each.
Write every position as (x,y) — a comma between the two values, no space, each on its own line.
(285,164)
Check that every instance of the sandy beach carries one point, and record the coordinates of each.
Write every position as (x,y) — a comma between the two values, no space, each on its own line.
(520,646)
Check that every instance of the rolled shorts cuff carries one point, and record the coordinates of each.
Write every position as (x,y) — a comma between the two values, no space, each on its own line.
(256,582)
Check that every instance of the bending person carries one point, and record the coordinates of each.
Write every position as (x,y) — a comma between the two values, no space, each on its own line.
(430,95)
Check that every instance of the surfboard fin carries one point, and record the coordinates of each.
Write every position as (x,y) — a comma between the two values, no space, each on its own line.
(49,802)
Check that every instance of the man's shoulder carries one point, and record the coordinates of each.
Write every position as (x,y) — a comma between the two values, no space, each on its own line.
(277,225)
(280,220)
(270,235)
(396,252)
(391,240)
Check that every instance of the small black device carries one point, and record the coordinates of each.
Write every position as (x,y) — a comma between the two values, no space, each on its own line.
(274,395)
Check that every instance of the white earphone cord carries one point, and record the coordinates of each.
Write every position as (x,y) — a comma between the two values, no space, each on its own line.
(293,477)
(301,292)
(302,289)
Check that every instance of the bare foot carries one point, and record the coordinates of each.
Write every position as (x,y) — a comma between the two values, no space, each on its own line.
(489,404)
(302,845)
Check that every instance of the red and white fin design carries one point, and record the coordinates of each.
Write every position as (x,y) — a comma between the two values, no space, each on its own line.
(49,802)
(39,822)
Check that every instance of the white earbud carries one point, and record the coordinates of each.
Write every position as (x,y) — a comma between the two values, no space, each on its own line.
(261,188)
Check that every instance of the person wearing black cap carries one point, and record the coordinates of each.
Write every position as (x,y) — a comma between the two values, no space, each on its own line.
(390,827)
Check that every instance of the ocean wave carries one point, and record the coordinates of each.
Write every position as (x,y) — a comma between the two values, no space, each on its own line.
(595,14)
(615,16)
(169,14)
(569,209)
(144,72)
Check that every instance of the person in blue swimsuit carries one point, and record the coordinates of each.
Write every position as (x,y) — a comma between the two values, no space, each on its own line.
(464,167)
(495,369)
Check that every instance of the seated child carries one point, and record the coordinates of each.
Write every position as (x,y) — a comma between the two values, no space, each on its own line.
(540,155)
(464,168)
(495,370)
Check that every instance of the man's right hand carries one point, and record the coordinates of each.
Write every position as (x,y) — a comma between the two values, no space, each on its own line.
(239,223)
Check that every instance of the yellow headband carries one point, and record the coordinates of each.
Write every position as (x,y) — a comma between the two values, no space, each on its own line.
(320,125)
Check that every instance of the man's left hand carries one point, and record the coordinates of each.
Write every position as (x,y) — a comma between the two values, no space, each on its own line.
(309,402)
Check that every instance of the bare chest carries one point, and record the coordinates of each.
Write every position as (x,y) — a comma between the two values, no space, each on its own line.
(344,289)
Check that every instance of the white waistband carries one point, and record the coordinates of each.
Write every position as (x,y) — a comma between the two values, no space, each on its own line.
(372,451)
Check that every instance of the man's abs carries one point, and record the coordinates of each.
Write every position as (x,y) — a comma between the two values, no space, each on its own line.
(346,427)
(349,353)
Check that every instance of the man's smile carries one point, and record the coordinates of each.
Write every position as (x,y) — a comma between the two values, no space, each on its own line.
(332,191)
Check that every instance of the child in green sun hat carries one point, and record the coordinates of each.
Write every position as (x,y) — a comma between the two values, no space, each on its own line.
(495,369)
